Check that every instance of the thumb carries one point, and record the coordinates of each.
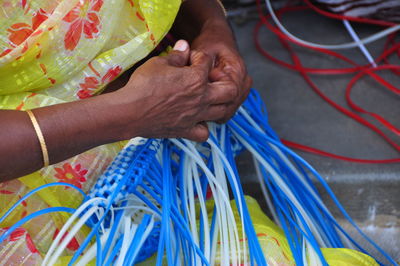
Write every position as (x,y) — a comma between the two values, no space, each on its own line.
(179,56)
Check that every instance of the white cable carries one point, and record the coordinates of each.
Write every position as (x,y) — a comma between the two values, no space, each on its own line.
(223,203)
(66,226)
(264,190)
(362,47)
(286,161)
(222,151)
(203,212)
(92,251)
(222,160)
(142,208)
(145,235)
(298,174)
(229,239)
(72,233)
(372,38)
(128,232)
(283,187)
(191,206)
(226,239)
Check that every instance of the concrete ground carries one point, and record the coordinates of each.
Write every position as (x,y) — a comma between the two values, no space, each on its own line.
(371,193)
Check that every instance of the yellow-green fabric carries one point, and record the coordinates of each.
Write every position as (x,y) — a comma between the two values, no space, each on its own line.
(276,248)
(57,51)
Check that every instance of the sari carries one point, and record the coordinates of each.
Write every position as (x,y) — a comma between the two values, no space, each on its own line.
(58,51)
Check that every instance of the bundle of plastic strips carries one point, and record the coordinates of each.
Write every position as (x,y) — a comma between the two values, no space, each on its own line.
(152,205)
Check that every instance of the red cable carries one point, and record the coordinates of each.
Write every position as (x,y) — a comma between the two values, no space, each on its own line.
(356,117)
(357,108)
(359,70)
(342,17)
(390,41)
(301,147)
(333,71)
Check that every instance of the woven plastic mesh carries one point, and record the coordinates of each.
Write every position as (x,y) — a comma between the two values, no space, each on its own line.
(126,171)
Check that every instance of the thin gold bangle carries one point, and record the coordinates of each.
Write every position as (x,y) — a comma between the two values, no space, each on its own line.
(222,7)
(40,137)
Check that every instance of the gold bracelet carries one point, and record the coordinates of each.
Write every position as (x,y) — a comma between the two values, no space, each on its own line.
(40,137)
(222,7)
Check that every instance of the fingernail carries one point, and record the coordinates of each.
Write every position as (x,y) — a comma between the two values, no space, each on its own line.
(181,46)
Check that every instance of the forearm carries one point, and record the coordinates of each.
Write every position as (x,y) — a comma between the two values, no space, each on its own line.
(68,129)
(195,15)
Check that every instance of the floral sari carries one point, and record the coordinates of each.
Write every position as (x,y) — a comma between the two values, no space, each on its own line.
(56,51)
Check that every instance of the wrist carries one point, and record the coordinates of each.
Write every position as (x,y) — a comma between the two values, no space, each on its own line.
(124,113)
(216,24)
(214,36)
(111,117)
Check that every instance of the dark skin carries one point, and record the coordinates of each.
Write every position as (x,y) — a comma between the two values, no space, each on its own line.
(166,97)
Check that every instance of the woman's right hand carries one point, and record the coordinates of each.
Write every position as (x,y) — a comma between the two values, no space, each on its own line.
(171,96)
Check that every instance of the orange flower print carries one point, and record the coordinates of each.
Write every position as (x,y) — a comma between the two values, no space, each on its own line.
(71,175)
(82,18)
(111,74)
(19,32)
(92,83)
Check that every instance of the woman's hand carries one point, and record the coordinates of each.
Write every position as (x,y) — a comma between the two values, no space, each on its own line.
(171,96)
(168,96)
(217,41)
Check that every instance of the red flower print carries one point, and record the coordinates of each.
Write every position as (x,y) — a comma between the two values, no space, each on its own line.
(19,32)
(5,191)
(71,175)
(23,3)
(82,18)
(111,74)
(73,245)
(92,83)
(18,234)
(38,18)
(30,244)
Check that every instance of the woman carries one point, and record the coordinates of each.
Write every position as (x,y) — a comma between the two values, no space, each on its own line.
(57,56)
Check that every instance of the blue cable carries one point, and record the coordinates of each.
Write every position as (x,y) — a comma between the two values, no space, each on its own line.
(30,193)
(113,231)
(276,141)
(115,251)
(132,254)
(113,196)
(99,258)
(32,216)
(330,192)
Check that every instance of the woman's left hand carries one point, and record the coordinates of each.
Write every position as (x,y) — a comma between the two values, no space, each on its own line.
(216,39)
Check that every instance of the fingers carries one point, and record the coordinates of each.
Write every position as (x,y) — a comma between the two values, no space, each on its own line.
(201,61)
(180,55)
(222,92)
(214,113)
(217,74)
(198,133)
